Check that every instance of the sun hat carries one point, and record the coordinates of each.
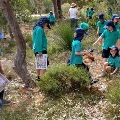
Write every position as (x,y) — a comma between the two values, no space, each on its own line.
(84,26)
(109,23)
(1,36)
(115,16)
(73,5)
(113,47)
(101,16)
(42,21)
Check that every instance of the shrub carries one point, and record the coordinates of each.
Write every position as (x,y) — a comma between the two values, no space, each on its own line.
(65,33)
(28,38)
(113,94)
(63,79)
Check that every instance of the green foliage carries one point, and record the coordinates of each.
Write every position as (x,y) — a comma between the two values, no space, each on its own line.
(113,94)
(112,112)
(46,6)
(64,32)
(28,39)
(63,79)
(17,115)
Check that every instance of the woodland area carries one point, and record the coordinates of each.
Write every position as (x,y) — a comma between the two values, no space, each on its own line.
(64,92)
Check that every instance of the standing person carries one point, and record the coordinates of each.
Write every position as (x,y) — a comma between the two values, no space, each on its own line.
(73,14)
(91,12)
(40,41)
(77,53)
(52,18)
(115,19)
(87,13)
(2,101)
(100,24)
(111,37)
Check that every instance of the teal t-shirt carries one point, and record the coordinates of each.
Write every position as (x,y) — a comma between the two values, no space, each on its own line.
(118,62)
(52,18)
(87,13)
(101,26)
(91,13)
(39,40)
(117,27)
(76,47)
(110,38)
(113,61)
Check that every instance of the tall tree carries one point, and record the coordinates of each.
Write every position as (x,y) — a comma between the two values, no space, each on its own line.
(20,65)
(56,9)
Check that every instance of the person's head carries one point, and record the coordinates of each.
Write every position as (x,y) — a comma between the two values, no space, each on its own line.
(115,18)
(73,5)
(51,13)
(84,26)
(87,8)
(42,22)
(114,51)
(79,34)
(92,9)
(110,25)
(101,17)
(1,36)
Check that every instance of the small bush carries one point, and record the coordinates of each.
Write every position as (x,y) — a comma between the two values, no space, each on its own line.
(113,94)
(28,38)
(63,79)
(66,35)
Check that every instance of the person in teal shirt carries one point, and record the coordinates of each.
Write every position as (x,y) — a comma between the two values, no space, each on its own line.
(111,65)
(87,13)
(100,24)
(52,18)
(115,19)
(91,12)
(111,37)
(39,40)
(76,58)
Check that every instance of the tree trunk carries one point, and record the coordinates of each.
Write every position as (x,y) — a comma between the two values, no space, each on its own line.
(55,9)
(59,8)
(19,61)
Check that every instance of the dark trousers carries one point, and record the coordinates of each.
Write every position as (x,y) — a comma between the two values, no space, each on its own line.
(83,66)
(73,23)
(1,94)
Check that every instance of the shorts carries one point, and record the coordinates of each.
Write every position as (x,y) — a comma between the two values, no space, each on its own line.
(105,53)
(43,52)
(83,66)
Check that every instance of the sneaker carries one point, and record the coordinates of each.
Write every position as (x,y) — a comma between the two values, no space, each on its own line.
(101,75)
(94,81)
(5,102)
(38,78)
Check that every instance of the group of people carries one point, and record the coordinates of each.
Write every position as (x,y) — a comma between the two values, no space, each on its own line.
(108,33)
(89,13)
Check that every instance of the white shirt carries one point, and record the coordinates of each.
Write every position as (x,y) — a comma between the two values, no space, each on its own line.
(73,12)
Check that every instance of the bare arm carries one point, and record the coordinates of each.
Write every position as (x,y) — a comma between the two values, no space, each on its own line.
(98,40)
(82,53)
(114,71)
(118,44)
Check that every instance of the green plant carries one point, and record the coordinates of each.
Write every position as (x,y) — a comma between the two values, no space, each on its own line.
(63,79)
(112,112)
(113,94)
(28,38)
(65,33)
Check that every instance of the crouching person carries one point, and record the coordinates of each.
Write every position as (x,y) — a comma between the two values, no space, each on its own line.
(76,58)
(111,66)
